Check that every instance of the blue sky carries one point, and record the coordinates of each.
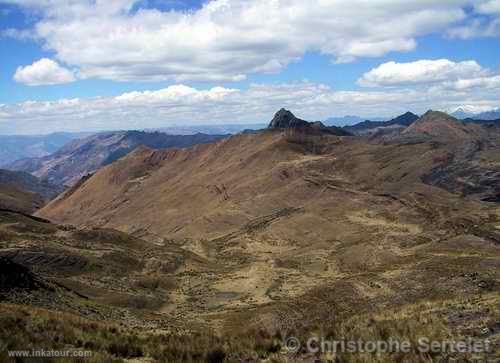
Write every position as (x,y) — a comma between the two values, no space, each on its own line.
(156,63)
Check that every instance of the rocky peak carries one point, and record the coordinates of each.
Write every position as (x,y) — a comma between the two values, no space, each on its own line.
(284,119)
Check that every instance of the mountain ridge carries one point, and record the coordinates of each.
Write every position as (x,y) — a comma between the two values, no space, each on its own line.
(15,147)
(144,169)
(285,119)
(255,234)
(442,125)
(82,157)
(467,112)
(403,120)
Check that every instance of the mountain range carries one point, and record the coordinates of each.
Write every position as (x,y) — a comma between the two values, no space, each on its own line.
(79,158)
(15,147)
(349,120)
(466,113)
(395,124)
(223,129)
(221,251)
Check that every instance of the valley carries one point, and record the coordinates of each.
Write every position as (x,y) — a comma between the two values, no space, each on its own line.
(288,231)
(250,181)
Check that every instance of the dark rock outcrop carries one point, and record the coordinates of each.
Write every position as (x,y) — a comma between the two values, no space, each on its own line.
(285,119)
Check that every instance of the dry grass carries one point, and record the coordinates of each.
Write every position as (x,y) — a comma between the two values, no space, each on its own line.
(25,328)
(368,235)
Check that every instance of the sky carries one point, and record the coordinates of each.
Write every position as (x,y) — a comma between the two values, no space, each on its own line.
(91,65)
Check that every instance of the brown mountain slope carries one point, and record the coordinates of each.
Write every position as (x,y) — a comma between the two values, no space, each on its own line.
(443,126)
(22,192)
(13,198)
(82,157)
(288,231)
(209,190)
(183,180)
(265,205)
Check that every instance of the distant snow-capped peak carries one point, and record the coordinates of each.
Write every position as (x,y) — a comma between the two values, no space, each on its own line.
(471,109)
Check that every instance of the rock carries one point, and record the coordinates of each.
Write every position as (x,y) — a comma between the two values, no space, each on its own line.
(284,119)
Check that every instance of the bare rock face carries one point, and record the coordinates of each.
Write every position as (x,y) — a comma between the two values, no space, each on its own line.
(284,119)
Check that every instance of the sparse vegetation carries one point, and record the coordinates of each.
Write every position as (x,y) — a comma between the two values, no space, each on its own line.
(239,245)
(315,144)
(23,328)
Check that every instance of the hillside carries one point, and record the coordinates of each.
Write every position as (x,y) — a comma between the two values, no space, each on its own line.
(82,157)
(444,127)
(283,217)
(267,164)
(265,235)
(21,191)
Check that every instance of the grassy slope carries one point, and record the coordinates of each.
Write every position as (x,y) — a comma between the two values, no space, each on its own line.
(35,328)
(311,235)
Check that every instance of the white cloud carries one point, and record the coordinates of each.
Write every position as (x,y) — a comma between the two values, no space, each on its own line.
(175,93)
(472,109)
(43,72)
(485,23)
(183,105)
(488,7)
(226,40)
(481,82)
(19,34)
(476,28)
(421,71)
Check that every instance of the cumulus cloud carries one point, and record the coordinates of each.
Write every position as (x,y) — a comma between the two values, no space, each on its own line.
(226,40)
(176,93)
(184,105)
(43,72)
(421,71)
